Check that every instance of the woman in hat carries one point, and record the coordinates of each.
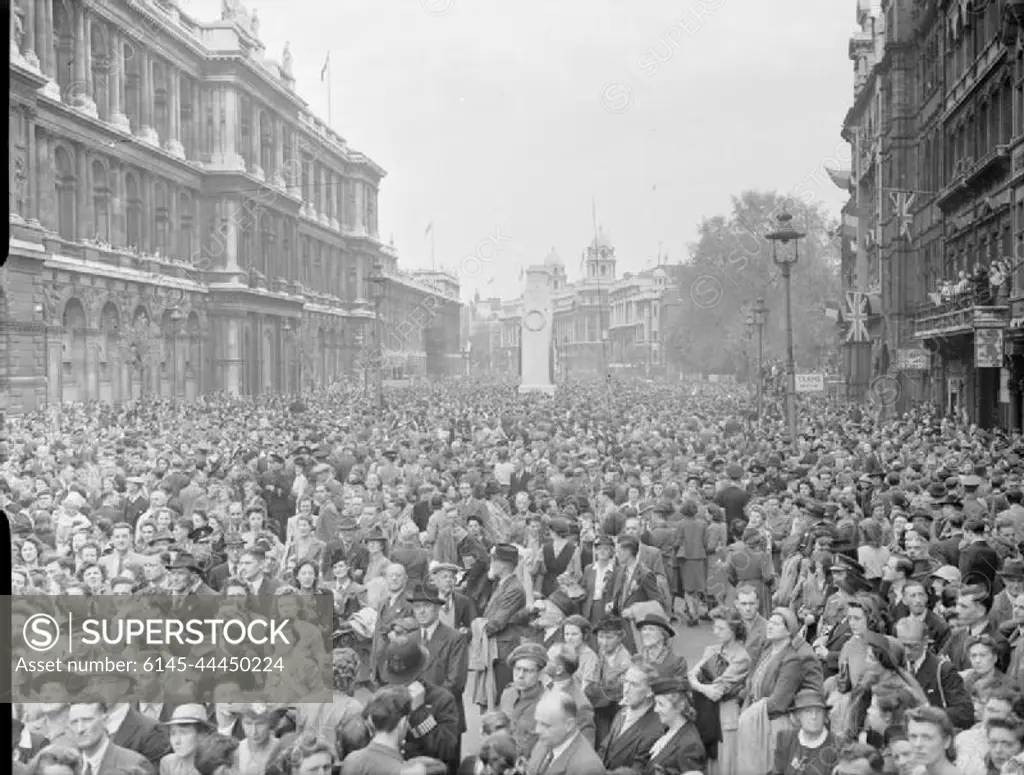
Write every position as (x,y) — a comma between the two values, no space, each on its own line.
(717,681)
(605,693)
(377,562)
(655,646)
(811,748)
(786,665)
(186,726)
(680,748)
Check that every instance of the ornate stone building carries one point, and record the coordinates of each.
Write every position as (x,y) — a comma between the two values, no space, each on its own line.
(603,323)
(181,223)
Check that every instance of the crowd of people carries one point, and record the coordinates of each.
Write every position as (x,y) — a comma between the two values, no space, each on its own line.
(540,564)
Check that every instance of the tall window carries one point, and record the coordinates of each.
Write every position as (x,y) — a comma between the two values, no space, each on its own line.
(64,184)
(100,202)
(133,203)
(162,219)
(186,248)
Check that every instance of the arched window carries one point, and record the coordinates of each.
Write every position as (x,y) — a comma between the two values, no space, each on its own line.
(101,60)
(64,188)
(162,217)
(100,202)
(133,209)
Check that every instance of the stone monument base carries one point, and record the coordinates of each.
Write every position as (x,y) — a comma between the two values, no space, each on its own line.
(546,389)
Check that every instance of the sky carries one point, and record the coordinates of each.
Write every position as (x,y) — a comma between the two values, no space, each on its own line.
(500,122)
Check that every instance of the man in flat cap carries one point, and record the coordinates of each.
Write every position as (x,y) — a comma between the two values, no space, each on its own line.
(519,701)
(506,603)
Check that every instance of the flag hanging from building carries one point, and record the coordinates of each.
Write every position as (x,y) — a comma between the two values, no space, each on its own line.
(856,315)
(326,67)
(430,228)
(902,201)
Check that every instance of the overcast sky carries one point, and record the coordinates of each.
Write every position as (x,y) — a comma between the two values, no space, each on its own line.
(502,119)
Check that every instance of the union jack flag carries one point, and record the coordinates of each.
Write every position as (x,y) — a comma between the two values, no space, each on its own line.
(856,314)
(902,201)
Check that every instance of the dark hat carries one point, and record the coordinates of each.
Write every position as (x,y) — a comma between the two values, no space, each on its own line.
(610,624)
(424,593)
(404,662)
(604,540)
(376,534)
(937,491)
(185,561)
(559,526)
(808,698)
(391,454)
(1013,569)
(302,450)
(815,509)
(233,539)
(564,603)
(842,562)
(669,685)
(630,541)
(506,553)
(971,480)
(773,462)
(532,651)
(656,620)
(734,471)
(163,537)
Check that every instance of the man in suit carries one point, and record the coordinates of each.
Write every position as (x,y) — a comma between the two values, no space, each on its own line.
(748,604)
(650,557)
(251,569)
(449,657)
(561,671)
(915,605)
(599,580)
(635,583)
(973,604)
(121,558)
(504,610)
(979,562)
(219,574)
(937,676)
(519,700)
(457,610)
(561,748)
(87,724)
(636,726)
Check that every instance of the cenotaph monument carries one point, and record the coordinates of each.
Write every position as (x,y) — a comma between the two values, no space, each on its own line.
(538,312)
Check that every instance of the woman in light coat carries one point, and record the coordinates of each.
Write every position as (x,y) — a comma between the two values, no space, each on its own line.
(717,680)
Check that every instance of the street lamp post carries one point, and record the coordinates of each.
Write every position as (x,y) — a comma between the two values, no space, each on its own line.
(760,313)
(748,325)
(786,261)
(377,281)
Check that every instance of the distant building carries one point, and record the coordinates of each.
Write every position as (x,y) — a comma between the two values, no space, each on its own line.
(602,324)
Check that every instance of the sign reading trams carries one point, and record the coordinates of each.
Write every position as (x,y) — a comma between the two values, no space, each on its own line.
(810,383)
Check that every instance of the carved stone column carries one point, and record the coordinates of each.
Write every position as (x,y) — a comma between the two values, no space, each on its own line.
(45,49)
(173,144)
(336,201)
(28,48)
(147,133)
(276,178)
(115,81)
(232,159)
(80,93)
(294,180)
(255,141)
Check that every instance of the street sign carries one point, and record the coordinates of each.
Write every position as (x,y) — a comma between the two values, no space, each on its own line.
(810,383)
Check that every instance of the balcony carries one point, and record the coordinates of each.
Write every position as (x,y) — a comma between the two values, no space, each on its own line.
(962,314)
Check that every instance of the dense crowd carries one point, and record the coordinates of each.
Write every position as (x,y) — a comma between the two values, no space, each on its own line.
(540,563)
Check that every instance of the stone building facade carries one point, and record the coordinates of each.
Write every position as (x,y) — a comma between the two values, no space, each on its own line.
(603,323)
(937,129)
(181,223)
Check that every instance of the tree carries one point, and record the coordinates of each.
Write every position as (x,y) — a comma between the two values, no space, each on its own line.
(730,265)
